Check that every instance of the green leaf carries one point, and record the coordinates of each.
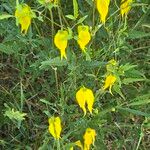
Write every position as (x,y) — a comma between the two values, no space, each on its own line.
(53,62)
(88,58)
(46,102)
(7,49)
(138,35)
(131,80)
(136,112)
(12,114)
(5,16)
(118,90)
(70,17)
(141,100)
(126,67)
(75,8)
(82,19)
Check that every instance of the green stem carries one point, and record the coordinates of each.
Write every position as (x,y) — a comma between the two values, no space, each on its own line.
(52,26)
(60,19)
(58,145)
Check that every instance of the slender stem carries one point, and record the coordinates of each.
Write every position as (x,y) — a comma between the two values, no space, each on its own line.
(60,19)
(56,78)
(141,136)
(52,26)
(58,145)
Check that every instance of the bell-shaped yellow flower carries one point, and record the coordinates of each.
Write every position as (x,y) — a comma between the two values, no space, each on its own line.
(109,81)
(85,96)
(89,138)
(23,16)
(55,127)
(125,7)
(84,37)
(61,41)
(103,7)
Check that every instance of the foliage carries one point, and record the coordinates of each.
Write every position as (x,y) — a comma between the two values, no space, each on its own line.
(40,74)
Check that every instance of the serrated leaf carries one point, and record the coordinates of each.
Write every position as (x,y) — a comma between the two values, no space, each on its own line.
(75,8)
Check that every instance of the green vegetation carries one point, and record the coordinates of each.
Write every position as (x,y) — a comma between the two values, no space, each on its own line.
(36,83)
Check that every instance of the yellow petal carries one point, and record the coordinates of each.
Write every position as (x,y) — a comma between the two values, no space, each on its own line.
(23,16)
(89,138)
(85,96)
(89,96)
(55,127)
(102,7)
(61,41)
(80,97)
(109,81)
(125,7)
(84,36)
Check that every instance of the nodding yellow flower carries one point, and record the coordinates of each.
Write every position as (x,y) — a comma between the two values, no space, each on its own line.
(23,16)
(102,7)
(85,96)
(125,7)
(84,37)
(109,81)
(55,127)
(61,41)
(89,138)
(112,63)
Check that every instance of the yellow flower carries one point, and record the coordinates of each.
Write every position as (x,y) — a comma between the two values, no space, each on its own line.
(125,7)
(111,64)
(55,127)
(85,96)
(102,7)
(89,138)
(84,36)
(109,81)
(61,40)
(23,16)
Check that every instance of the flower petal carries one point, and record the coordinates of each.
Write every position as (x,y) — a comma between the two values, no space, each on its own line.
(55,127)
(84,37)
(61,41)
(102,7)
(80,97)
(125,7)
